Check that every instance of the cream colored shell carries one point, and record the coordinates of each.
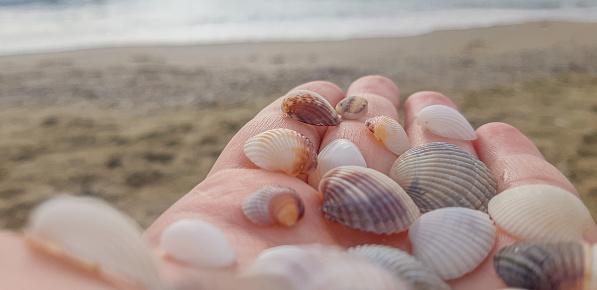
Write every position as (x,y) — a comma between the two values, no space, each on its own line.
(310,108)
(274,205)
(447,122)
(352,107)
(389,132)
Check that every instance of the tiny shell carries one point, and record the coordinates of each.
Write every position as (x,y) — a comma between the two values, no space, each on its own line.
(563,265)
(198,243)
(282,150)
(402,265)
(352,107)
(541,213)
(440,175)
(274,204)
(310,108)
(446,122)
(367,200)
(389,132)
(94,235)
(320,267)
(337,153)
(452,241)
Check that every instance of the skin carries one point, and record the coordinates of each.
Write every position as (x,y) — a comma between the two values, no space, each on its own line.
(512,158)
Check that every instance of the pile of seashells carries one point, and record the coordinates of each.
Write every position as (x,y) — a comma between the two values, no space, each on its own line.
(442,195)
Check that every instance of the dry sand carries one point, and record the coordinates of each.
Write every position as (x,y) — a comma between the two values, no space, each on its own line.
(140,127)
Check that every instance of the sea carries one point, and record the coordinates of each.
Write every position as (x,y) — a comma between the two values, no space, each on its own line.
(39,26)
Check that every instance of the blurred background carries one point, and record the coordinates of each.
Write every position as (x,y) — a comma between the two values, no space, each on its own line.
(132,101)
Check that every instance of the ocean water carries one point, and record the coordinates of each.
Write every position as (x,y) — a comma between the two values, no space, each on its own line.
(35,26)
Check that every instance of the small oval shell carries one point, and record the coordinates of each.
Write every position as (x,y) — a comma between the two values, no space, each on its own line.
(198,243)
(389,132)
(367,200)
(452,241)
(402,265)
(541,213)
(282,150)
(531,265)
(320,267)
(93,234)
(338,153)
(310,108)
(440,175)
(352,107)
(446,122)
(274,204)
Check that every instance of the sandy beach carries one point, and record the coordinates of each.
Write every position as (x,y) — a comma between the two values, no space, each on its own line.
(141,126)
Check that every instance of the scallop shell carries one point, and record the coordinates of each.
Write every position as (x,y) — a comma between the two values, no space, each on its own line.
(440,175)
(274,204)
(320,267)
(389,132)
(541,213)
(352,107)
(446,122)
(282,150)
(95,236)
(452,241)
(563,265)
(337,153)
(367,200)
(402,265)
(310,108)
(197,243)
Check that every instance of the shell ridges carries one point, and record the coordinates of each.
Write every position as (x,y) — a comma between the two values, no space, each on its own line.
(310,108)
(274,204)
(390,133)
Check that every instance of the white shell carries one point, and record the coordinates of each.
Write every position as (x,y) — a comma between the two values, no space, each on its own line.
(389,132)
(452,241)
(282,150)
(541,213)
(446,122)
(91,232)
(274,205)
(321,267)
(198,243)
(337,153)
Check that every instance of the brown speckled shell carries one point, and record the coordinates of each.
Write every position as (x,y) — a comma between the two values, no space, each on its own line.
(352,107)
(310,108)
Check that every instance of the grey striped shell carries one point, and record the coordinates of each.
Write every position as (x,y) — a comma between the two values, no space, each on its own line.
(367,200)
(352,107)
(532,265)
(274,205)
(439,174)
(402,265)
(310,108)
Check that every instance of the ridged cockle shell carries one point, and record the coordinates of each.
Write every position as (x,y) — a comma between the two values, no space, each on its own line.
(541,213)
(282,150)
(389,132)
(440,175)
(367,200)
(274,205)
(352,107)
(310,108)
(96,236)
(452,241)
(402,265)
(197,243)
(338,153)
(563,265)
(447,122)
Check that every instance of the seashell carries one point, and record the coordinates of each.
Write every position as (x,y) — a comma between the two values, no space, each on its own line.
(352,107)
(310,108)
(197,243)
(446,122)
(95,236)
(452,241)
(274,204)
(282,150)
(320,267)
(389,132)
(337,153)
(404,266)
(367,200)
(440,175)
(562,265)
(541,213)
